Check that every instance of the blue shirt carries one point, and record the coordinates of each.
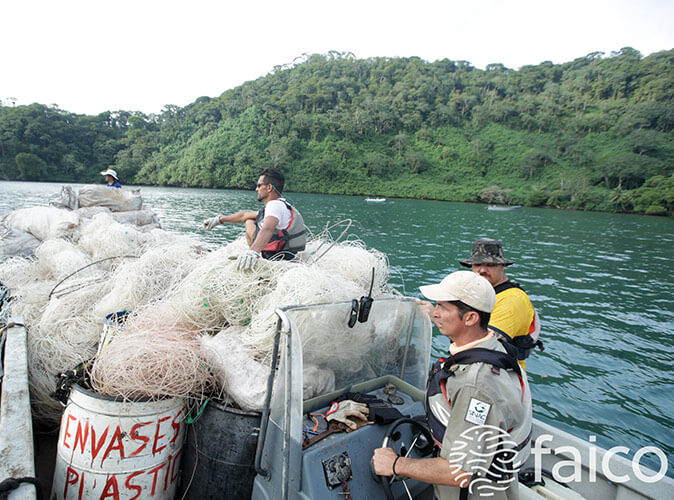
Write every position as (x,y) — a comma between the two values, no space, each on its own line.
(115,185)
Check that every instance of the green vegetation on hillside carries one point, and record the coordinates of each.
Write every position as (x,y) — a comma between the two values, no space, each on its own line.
(594,133)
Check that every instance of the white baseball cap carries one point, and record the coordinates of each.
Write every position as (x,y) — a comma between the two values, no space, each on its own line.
(110,172)
(466,286)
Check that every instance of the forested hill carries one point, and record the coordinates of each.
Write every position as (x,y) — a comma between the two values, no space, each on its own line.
(594,133)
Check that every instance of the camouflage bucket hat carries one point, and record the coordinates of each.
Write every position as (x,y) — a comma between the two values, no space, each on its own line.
(486,251)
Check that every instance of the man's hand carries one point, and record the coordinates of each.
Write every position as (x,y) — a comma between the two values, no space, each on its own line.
(247,260)
(382,461)
(353,414)
(211,223)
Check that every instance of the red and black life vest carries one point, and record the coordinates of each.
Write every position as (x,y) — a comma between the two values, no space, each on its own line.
(284,243)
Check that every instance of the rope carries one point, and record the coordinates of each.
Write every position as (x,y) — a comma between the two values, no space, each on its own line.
(83,268)
(10,484)
(327,231)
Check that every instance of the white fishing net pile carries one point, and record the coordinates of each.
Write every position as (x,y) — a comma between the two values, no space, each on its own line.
(104,237)
(58,258)
(196,324)
(143,364)
(136,281)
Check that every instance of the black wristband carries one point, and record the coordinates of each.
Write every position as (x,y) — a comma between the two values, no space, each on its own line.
(394,465)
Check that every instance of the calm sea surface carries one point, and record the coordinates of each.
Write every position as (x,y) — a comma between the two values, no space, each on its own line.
(602,284)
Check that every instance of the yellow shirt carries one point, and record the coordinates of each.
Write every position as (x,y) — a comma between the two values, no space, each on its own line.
(513,313)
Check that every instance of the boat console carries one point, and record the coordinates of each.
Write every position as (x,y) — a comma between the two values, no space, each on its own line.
(384,360)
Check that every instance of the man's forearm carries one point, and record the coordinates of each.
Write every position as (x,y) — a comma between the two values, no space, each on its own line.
(241,216)
(432,470)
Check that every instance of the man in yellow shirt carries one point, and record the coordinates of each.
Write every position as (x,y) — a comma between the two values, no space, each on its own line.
(513,316)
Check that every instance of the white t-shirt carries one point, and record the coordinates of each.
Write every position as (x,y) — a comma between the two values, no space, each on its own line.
(279,210)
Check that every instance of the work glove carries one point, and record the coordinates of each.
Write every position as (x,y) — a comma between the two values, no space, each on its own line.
(211,223)
(353,414)
(247,260)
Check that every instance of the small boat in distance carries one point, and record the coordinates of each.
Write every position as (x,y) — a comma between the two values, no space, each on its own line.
(504,208)
(375,200)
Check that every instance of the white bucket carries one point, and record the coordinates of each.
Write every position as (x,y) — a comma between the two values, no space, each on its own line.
(109,448)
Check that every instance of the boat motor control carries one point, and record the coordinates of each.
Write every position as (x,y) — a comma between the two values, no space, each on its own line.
(337,469)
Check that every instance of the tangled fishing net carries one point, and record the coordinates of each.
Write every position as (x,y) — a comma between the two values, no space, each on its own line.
(137,280)
(152,364)
(193,324)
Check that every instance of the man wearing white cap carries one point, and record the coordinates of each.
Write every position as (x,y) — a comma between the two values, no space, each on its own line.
(111,178)
(478,403)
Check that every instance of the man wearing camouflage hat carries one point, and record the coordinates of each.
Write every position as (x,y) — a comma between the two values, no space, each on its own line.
(513,317)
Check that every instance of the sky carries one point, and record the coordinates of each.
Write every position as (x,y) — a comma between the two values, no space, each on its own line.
(90,56)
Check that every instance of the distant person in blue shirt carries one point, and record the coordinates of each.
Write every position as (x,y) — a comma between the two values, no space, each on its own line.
(111,178)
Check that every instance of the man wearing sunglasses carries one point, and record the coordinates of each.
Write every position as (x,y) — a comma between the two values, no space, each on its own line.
(275,232)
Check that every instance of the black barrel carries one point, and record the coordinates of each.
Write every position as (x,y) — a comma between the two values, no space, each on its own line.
(219,454)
